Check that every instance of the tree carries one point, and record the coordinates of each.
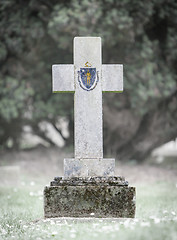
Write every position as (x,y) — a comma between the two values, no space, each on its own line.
(141,35)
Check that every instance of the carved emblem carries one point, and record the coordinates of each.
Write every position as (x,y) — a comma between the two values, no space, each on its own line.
(88,77)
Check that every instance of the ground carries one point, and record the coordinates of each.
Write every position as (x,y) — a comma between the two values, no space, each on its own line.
(24,174)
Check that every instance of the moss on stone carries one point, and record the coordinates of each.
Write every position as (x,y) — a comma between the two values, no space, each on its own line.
(81,201)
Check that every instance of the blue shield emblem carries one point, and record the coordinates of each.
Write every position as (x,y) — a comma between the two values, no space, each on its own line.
(88,78)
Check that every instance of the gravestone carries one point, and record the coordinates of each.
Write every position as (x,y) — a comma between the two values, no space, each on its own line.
(89,186)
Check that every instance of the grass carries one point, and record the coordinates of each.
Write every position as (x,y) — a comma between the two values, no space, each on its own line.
(21,216)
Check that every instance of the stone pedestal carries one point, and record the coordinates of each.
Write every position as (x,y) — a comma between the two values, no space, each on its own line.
(89,197)
(84,168)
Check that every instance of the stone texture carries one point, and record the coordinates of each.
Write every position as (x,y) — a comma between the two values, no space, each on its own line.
(88,139)
(91,200)
(63,78)
(88,167)
(88,187)
(112,78)
(88,104)
(94,181)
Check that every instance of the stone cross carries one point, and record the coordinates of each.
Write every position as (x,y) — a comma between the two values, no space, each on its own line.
(87,78)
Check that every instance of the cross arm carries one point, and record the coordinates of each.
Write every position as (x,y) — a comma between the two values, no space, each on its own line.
(112,78)
(63,78)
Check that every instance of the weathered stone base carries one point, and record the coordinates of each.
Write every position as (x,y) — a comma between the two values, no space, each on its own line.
(89,167)
(92,197)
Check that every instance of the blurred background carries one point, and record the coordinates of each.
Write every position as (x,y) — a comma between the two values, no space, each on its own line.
(141,35)
(37,126)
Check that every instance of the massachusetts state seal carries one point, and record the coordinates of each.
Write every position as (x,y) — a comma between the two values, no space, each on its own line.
(88,77)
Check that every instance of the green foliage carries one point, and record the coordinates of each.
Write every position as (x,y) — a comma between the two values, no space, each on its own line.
(15,95)
(35,34)
(123,26)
